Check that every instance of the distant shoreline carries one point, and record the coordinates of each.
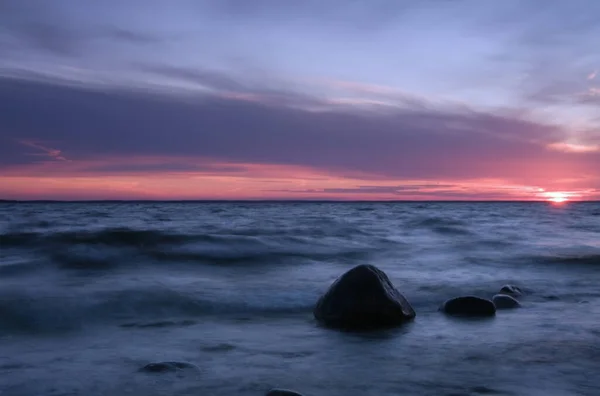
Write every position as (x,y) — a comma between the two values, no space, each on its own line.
(242,201)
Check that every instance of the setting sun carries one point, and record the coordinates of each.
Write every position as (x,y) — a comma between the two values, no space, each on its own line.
(557,197)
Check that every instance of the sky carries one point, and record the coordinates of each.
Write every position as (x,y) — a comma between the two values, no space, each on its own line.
(300,99)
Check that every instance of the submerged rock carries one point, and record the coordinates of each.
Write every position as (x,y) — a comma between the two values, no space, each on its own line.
(282,392)
(469,306)
(504,301)
(363,299)
(162,367)
(511,290)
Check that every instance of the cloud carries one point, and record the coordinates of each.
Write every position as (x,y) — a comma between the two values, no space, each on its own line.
(284,83)
(152,165)
(360,15)
(394,190)
(455,191)
(593,93)
(438,189)
(69,42)
(39,27)
(129,36)
(574,148)
(45,151)
(230,87)
(360,93)
(592,75)
(407,143)
(208,78)
(539,57)
(48,38)
(36,25)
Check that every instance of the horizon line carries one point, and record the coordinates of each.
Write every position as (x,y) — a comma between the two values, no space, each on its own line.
(288,201)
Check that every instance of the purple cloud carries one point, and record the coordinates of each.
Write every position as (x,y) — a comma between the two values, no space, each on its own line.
(85,123)
(163,166)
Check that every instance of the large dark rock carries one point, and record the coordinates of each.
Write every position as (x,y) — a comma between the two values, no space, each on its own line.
(163,367)
(511,290)
(504,301)
(282,392)
(469,306)
(363,299)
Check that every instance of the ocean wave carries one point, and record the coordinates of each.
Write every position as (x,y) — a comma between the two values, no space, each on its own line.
(257,257)
(118,304)
(24,313)
(572,259)
(106,258)
(164,302)
(441,225)
(18,239)
(111,248)
(141,308)
(159,324)
(18,268)
(124,237)
(109,236)
(86,259)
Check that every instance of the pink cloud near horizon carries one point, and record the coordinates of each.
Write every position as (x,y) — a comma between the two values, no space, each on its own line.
(150,179)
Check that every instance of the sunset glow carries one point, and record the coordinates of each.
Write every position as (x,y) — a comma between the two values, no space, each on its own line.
(298,100)
(139,178)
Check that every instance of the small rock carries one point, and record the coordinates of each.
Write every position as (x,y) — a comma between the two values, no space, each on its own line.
(282,392)
(511,290)
(363,298)
(469,306)
(162,367)
(504,301)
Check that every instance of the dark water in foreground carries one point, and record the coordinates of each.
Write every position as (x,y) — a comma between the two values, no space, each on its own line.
(89,293)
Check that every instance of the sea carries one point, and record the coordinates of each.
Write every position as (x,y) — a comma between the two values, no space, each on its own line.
(92,292)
